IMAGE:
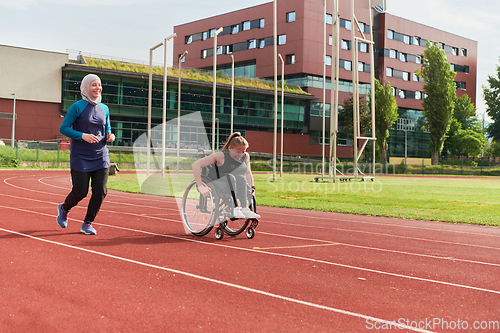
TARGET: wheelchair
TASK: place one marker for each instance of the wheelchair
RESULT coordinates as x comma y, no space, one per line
200,214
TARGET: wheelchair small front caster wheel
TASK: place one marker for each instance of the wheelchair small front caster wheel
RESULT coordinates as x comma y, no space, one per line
250,232
219,233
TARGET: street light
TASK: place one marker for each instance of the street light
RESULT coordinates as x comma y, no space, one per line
282,106
179,110
150,94
218,122
232,92
275,33
214,87
164,121
13,121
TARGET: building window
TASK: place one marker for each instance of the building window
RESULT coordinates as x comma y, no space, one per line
328,60
415,77
345,44
388,71
330,40
418,95
461,85
290,59
363,47
362,26
464,52
229,49
262,43
252,44
393,90
204,54
212,33
205,35
348,25
329,19
189,39
347,65
416,40
290,17
281,39
261,23
235,29
454,51
392,54
390,34
246,25
402,57
219,49
406,39
406,76
419,59
402,94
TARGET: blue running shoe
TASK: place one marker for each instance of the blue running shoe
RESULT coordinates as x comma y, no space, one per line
62,216
87,229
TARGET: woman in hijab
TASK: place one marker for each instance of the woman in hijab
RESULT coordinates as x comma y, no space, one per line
87,124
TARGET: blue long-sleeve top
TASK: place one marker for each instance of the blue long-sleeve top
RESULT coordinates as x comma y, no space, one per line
84,117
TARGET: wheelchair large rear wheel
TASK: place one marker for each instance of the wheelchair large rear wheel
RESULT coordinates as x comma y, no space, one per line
198,213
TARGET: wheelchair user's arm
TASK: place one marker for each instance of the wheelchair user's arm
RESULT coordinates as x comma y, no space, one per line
248,174
203,162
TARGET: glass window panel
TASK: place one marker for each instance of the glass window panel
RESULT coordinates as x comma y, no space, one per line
282,40
329,19
328,60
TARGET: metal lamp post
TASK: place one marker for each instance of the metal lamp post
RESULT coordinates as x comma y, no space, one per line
164,120
179,111
150,94
275,33
214,87
13,122
232,92
282,106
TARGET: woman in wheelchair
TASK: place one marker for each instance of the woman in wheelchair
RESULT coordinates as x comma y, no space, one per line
233,172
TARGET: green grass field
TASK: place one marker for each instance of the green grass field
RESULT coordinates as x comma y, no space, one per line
459,200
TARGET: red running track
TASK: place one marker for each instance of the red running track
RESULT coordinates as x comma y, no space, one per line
304,271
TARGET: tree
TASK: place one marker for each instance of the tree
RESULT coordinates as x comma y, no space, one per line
491,96
465,136
386,114
439,87
346,116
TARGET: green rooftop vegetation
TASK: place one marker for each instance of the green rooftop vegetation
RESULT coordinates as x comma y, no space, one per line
191,74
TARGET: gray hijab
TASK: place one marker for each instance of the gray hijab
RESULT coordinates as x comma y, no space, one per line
85,89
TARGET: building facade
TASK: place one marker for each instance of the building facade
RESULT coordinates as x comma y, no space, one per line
247,39
46,84
35,77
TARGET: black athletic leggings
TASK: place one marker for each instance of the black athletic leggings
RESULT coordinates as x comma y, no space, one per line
98,180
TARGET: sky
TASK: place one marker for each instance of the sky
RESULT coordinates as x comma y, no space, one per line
129,28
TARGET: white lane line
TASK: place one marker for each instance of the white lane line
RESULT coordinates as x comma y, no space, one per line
227,284
285,256
380,249
297,237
